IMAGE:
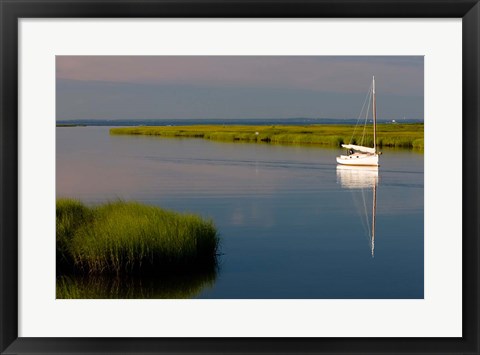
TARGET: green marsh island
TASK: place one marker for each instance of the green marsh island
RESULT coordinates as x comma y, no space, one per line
121,240
409,135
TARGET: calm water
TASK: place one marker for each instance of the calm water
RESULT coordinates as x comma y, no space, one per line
292,225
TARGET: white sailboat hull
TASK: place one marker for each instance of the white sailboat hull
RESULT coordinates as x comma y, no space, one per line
358,159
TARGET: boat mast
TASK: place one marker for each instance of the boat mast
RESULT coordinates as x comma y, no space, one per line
374,214
374,108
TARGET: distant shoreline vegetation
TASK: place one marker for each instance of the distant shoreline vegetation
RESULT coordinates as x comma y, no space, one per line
70,125
294,121
410,136
127,238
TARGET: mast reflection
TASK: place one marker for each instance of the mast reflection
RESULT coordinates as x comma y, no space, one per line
362,178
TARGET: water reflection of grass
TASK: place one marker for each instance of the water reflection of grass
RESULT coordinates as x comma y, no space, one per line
388,135
130,238
163,285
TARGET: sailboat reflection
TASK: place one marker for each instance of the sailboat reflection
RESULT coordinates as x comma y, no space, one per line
362,178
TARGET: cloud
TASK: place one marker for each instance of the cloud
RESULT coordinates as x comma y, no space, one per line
395,75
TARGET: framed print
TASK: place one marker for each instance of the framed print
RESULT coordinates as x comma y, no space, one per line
258,177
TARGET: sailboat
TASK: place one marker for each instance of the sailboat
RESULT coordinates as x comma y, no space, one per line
358,154
362,178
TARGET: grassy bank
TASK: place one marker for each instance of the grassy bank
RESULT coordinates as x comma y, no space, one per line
388,135
128,237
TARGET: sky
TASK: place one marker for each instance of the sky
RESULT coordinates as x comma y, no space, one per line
235,87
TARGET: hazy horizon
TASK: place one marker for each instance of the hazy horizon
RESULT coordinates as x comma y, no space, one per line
233,119
236,87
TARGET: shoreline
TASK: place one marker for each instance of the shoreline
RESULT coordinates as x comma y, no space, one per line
405,136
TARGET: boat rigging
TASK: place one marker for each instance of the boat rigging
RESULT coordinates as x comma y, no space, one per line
359,154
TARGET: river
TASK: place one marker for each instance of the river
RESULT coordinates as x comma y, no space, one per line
292,224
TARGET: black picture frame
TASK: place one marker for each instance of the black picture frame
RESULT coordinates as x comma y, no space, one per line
12,10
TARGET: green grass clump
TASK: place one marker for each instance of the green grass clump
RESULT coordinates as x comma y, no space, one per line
409,136
129,237
71,216
418,144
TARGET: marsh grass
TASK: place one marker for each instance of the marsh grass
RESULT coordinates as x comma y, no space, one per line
388,135
128,237
71,215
